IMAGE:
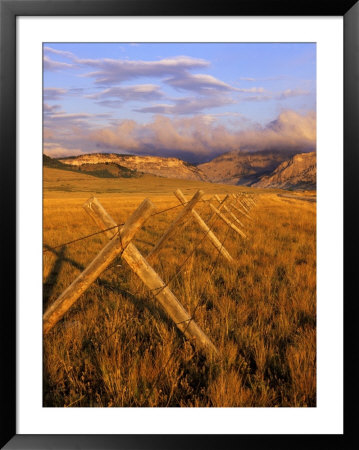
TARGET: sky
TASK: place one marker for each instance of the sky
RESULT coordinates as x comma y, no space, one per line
193,101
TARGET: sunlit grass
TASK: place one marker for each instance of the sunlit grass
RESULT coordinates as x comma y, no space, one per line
116,347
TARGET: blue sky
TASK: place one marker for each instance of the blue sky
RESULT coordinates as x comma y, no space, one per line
186,100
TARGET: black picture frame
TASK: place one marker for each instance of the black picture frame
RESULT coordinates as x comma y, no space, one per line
9,10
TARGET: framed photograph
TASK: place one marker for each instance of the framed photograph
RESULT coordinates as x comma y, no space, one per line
175,179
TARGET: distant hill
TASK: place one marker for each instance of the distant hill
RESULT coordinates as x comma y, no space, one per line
101,170
242,167
299,172
53,163
155,165
265,169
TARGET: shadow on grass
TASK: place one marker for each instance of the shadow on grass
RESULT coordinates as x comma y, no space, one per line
51,280
139,300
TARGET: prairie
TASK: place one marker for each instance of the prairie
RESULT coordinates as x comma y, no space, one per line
117,348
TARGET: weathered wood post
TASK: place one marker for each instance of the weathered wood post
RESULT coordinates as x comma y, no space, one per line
153,281
246,202
209,233
241,211
226,221
178,220
242,202
113,249
229,211
232,205
251,200
220,206
100,216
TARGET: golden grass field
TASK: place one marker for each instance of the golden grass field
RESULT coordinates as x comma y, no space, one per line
116,348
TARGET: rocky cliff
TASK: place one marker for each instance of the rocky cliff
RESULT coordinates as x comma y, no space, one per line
243,168
299,172
266,169
164,167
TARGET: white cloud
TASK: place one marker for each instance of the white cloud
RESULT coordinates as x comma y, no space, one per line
192,138
200,83
51,93
64,53
288,93
50,64
114,71
276,78
188,105
201,136
253,89
116,95
56,150
51,108
290,130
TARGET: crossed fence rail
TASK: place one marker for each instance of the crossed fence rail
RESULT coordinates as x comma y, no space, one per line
120,245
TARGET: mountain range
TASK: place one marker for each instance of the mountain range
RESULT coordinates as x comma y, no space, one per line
265,169
242,168
155,165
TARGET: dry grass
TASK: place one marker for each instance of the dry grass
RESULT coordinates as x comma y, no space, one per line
115,347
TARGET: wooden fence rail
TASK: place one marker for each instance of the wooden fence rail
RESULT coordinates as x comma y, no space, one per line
113,249
242,201
209,233
239,208
120,244
229,211
226,221
155,284
178,220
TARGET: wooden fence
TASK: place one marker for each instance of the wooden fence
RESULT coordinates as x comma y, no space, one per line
120,245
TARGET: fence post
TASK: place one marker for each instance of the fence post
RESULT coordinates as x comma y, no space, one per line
153,281
114,248
238,209
221,205
228,222
178,220
95,210
229,211
246,203
251,200
242,202
211,236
